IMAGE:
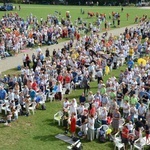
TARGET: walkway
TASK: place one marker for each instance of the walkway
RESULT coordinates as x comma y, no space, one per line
13,62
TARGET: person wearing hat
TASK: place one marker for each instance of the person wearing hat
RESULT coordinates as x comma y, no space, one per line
130,126
103,90
112,94
104,100
116,116
103,116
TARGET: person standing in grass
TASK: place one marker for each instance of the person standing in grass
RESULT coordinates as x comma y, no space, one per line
133,100
124,135
127,15
65,119
90,132
73,124
116,118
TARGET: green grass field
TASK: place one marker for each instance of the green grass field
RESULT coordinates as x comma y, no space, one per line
43,10
37,132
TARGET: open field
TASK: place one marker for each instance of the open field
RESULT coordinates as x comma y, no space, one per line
37,132
75,11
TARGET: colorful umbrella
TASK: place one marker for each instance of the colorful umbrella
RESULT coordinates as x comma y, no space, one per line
141,61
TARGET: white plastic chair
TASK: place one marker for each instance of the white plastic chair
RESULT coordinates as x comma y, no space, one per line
139,143
117,137
105,127
32,108
43,99
119,145
18,108
5,108
58,116
51,96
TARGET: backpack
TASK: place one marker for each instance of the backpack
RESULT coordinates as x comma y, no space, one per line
43,107
67,91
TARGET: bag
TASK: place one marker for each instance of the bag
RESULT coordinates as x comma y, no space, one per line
43,107
67,91
75,139
57,96
19,67
78,146
2,121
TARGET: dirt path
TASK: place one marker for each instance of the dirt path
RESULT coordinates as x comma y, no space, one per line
12,62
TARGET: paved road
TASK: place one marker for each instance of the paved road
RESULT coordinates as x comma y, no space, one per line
12,62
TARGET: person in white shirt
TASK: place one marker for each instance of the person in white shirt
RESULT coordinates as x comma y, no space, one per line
80,110
126,109
11,95
130,126
59,90
66,103
141,111
73,106
90,132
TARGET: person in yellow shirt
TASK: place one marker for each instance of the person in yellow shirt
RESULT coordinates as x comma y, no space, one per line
131,52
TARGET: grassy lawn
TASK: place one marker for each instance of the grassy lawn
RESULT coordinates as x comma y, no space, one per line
37,132
43,10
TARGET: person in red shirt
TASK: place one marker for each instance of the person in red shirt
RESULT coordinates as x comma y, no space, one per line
60,78
93,110
124,135
67,81
73,124
35,85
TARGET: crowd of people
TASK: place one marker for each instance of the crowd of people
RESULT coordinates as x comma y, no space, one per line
75,66
17,33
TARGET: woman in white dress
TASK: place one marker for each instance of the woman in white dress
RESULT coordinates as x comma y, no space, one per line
73,106
90,132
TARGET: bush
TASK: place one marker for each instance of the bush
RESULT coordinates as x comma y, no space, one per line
131,4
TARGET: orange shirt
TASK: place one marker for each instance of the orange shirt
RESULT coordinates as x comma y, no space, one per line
125,132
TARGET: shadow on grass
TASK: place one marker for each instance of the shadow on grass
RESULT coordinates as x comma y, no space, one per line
46,138
53,123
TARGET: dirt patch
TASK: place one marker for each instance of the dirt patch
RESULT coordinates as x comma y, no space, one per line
144,8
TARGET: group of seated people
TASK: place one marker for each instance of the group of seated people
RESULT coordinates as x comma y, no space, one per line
126,98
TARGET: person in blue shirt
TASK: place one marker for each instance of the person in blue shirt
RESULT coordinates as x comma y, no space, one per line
3,94
32,94
130,64
82,98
